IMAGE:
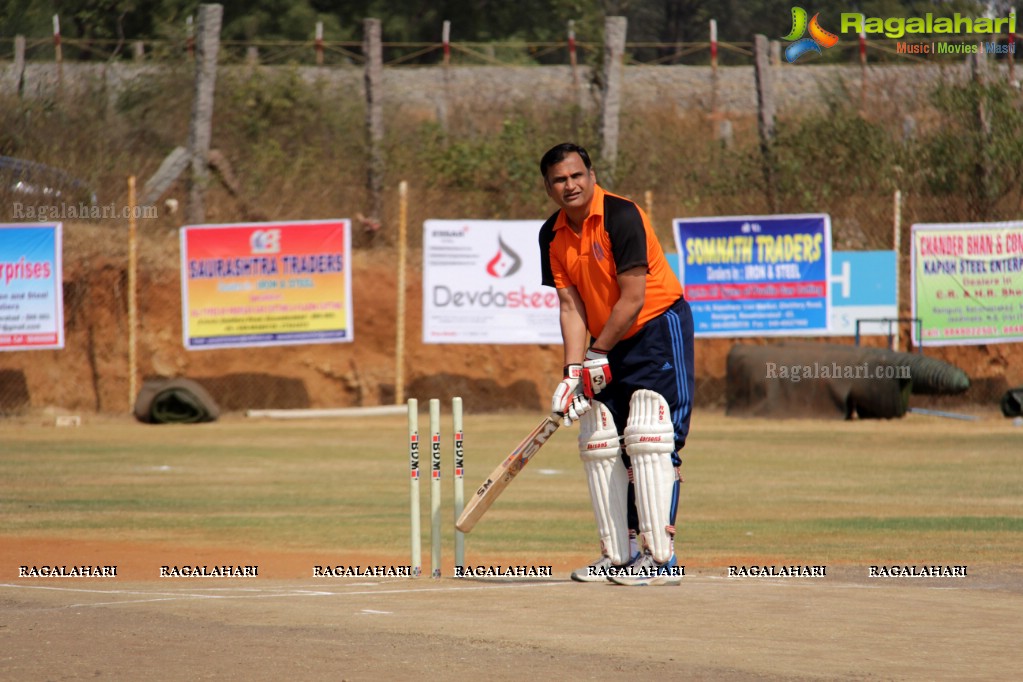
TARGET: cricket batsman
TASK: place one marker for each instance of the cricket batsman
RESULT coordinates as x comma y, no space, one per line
627,332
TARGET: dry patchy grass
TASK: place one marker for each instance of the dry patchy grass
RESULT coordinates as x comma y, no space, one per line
917,490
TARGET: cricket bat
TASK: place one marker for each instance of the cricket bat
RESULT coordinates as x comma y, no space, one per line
500,477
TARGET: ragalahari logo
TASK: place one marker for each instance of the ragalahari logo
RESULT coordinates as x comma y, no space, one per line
506,263
818,38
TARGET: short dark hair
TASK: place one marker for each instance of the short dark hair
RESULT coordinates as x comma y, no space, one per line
557,154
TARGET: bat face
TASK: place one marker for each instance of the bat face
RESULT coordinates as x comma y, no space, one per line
504,473
540,436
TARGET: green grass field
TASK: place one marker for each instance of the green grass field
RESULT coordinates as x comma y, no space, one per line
917,490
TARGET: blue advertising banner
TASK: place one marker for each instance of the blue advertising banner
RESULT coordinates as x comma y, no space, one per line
862,288
756,275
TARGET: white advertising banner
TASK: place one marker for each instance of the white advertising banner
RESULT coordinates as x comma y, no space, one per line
481,284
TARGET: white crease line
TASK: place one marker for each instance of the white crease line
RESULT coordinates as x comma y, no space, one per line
114,603
297,592
826,582
164,596
197,593
87,591
196,590
457,589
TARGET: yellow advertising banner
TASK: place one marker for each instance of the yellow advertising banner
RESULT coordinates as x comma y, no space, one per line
266,284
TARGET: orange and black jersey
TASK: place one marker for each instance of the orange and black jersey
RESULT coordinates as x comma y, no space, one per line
614,238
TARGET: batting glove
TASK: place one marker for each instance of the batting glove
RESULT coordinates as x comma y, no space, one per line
568,404
596,372
579,406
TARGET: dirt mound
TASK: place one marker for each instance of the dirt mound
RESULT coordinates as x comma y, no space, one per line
91,372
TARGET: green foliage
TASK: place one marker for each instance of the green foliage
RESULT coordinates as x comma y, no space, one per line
295,142
279,20
665,21
826,155
25,18
264,101
299,149
72,134
151,119
501,168
976,152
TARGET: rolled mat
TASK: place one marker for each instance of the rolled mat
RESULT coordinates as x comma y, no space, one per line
930,375
1012,402
812,382
175,401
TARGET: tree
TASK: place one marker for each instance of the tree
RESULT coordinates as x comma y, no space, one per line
665,21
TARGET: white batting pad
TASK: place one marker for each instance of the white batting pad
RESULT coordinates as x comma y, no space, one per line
609,482
650,440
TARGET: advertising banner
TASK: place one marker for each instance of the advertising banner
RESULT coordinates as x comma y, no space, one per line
31,289
863,288
967,283
266,284
481,284
756,275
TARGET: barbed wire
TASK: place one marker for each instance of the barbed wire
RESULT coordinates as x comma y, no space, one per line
502,53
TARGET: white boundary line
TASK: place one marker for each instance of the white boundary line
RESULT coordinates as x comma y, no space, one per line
371,411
